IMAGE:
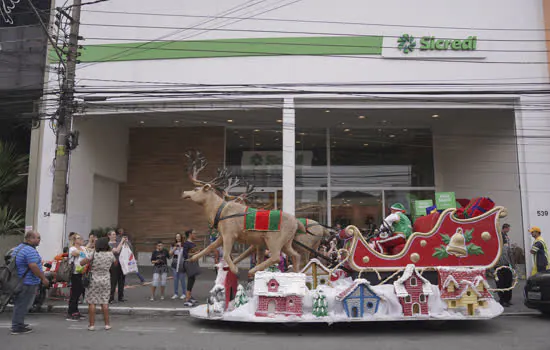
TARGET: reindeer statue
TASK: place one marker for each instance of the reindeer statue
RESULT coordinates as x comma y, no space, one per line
233,220
310,238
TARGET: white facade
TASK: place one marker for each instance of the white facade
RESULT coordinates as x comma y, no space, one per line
475,155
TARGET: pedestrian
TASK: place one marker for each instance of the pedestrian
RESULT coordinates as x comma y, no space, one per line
159,259
189,249
176,252
121,233
504,232
29,269
99,290
539,250
77,252
90,245
117,277
504,276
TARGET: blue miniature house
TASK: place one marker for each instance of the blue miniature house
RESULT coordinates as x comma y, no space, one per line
359,300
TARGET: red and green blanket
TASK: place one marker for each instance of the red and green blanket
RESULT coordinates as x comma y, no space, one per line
304,222
262,220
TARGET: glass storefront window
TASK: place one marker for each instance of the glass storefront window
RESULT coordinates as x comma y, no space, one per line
312,204
311,158
356,207
256,155
381,157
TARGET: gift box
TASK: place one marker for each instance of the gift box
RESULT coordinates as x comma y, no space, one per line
478,206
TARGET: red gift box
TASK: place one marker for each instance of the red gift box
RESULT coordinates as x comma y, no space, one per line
478,206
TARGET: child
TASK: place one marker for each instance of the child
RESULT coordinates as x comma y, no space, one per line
159,259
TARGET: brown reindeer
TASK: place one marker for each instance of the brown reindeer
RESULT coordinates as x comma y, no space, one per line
310,237
228,217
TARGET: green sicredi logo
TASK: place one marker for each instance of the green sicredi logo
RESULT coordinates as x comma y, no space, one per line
407,43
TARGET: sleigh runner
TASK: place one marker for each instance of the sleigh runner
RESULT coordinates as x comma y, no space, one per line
452,242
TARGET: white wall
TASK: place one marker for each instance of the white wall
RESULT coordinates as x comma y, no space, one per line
105,202
440,15
102,153
477,156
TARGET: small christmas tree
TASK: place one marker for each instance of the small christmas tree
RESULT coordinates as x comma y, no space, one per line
240,298
320,305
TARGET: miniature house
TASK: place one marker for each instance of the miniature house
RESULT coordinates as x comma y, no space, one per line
279,293
413,291
228,280
359,299
317,274
463,289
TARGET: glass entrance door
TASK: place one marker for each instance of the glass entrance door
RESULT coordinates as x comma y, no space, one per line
264,198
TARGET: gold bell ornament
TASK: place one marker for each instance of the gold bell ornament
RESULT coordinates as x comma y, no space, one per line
457,245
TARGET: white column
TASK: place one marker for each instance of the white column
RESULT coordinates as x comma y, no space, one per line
533,132
289,158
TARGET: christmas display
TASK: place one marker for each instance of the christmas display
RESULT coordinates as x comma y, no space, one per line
432,269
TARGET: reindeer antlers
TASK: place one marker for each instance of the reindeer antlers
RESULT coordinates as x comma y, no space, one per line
197,163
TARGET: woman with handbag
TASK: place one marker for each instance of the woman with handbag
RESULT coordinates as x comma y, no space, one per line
99,279
176,252
77,253
192,269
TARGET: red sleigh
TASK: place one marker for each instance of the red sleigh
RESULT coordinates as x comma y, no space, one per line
452,242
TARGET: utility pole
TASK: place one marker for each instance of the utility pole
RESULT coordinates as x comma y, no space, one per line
66,111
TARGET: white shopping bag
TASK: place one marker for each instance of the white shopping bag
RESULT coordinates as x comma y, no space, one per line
127,260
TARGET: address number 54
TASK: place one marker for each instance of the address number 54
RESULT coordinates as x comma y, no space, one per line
542,212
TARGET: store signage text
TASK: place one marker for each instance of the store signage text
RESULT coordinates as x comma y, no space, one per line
407,43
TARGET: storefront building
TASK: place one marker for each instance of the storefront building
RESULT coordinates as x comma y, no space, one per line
334,110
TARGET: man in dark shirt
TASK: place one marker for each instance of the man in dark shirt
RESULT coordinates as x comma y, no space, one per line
539,251
159,259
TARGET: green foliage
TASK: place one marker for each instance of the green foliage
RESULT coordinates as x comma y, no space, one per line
474,249
12,222
241,297
468,235
13,167
446,238
440,253
320,305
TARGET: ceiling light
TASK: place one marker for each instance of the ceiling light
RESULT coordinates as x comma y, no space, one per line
327,111
298,142
258,144
347,130
177,121
141,122
241,137
384,121
391,136
205,122
256,130
302,134
230,120
279,120
342,123
435,116
365,144
276,139
405,130
361,117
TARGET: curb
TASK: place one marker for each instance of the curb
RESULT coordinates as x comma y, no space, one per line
116,310
521,313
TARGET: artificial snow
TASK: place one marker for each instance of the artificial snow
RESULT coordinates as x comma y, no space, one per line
389,309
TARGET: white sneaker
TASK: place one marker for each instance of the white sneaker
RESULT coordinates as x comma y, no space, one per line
162,297
151,299
182,297
175,296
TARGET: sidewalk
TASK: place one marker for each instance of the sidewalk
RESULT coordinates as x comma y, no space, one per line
138,296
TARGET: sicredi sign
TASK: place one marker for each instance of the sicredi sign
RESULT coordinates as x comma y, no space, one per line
406,46
408,43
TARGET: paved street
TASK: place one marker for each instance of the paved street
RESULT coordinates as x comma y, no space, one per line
53,332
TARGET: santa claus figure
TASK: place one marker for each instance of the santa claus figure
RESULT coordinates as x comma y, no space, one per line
394,232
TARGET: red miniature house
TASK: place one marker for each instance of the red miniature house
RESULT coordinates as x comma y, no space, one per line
413,291
279,293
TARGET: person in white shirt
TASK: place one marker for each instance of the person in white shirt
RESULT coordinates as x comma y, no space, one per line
77,252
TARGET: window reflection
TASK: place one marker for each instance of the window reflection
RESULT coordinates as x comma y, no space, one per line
312,204
360,208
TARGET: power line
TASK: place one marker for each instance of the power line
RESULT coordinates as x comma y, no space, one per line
325,22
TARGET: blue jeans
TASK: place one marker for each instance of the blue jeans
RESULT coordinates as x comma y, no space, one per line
179,278
22,303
